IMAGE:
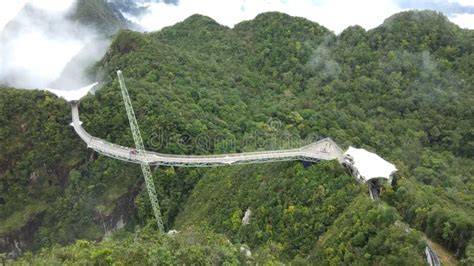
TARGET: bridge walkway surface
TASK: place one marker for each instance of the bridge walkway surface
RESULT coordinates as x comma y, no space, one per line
325,149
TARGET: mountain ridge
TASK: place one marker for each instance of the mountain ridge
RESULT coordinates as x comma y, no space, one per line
310,81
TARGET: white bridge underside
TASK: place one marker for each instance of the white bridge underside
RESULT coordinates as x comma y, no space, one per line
325,149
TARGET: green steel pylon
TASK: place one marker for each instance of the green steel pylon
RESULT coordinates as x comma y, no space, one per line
137,137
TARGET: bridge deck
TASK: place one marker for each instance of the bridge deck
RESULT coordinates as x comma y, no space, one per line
325,149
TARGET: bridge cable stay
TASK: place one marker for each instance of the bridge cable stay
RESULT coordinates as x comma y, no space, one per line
141,151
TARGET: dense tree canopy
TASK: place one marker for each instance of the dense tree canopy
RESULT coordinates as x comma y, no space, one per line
403,89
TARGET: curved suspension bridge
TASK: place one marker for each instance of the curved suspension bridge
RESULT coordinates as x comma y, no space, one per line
325,149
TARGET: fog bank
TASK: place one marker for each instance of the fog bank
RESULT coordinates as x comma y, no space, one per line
39,42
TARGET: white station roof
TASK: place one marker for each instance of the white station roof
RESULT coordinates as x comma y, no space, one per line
370,165
73,95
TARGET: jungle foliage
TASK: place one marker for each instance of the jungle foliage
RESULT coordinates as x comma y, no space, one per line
403,89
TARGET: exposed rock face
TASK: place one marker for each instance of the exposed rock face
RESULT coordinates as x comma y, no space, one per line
172,232
13,244
120,215
246,219
246,251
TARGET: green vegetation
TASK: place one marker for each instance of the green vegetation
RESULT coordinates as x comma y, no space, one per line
316,195
46,169
320,202
99,15
38,150
367,234
403,89
440,216
145,247
19,218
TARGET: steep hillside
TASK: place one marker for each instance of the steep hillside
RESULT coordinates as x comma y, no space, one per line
100,15
367,234
52,189
309,200
320,202
273,82
146,247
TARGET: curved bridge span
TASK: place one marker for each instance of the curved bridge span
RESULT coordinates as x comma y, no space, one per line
325,149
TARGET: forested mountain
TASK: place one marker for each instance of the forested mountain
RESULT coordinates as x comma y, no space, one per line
101,15
403,89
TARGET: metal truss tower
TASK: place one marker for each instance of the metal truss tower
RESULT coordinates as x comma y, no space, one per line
137,137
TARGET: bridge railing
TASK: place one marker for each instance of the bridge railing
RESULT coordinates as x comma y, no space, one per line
126,153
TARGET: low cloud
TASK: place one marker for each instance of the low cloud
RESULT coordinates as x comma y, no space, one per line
322,63
39,42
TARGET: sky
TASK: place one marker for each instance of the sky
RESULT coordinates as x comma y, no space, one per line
35,58
335,15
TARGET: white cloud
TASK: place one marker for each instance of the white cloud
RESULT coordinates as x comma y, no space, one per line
335,15
338,15
463,20
463,2
35,59
52,5
8,10
35,55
